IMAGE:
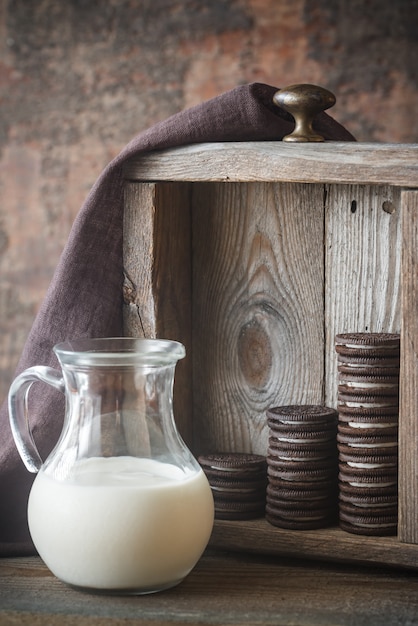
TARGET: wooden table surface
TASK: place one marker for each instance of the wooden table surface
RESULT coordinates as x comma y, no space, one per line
224,588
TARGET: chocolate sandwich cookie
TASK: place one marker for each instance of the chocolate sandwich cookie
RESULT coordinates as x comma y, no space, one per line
367,437
300,475
357,452
278,482
364,422
353,489
368,524
303,493
385,528
368,462
300,452
355,397
368,344
237,464
284,481
380,479
238,490
328,463
365,431
302,435
366,466
302,459
369,428
290,508
352,384
320,427
305,415
375,379
383,501
299,520
228,510
302,426
352,410
368,366
374,513
238,482
366,401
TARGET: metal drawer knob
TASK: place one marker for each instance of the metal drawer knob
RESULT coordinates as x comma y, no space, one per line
304,102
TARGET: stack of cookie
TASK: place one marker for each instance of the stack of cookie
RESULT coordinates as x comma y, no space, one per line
302,467
368,407
238,482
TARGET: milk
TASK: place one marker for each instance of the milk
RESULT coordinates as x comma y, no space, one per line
121,523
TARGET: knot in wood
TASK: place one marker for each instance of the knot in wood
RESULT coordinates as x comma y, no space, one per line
129,290
255,355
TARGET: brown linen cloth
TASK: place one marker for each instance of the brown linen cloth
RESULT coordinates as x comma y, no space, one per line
85,295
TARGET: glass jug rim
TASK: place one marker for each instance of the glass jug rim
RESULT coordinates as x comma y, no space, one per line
119,351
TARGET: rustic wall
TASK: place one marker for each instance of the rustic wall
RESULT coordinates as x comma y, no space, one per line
78,79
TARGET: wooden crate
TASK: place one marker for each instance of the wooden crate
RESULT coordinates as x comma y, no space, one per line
255,255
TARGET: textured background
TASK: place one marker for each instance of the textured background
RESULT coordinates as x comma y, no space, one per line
79,78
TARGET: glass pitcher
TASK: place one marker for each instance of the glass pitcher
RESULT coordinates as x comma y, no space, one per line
120,505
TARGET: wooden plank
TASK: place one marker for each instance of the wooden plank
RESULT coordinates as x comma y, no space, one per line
157,287
331,544
363,273
138,235
224,588
258,308
329,162
408,419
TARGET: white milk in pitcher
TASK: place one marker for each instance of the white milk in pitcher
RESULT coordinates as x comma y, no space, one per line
121,523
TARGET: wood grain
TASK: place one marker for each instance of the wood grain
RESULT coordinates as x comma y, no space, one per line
329,162
332,544
363,273
224,588
157,266
138,259
258,308
408,431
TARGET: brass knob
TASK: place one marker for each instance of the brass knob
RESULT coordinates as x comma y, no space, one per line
304,102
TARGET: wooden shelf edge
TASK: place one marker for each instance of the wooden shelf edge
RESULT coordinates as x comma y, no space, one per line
332,544
328,162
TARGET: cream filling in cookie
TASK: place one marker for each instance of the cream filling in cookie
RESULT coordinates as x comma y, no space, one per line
366,425
369,465
357,365
371,485
305,440
299,422
365,404
368,505
372,445
363,346
369,385
371,525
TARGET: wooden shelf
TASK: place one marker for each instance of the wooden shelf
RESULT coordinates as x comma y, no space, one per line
255,255
331,544
271,161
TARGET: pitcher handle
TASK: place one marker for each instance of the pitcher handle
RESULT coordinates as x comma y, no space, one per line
18,410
